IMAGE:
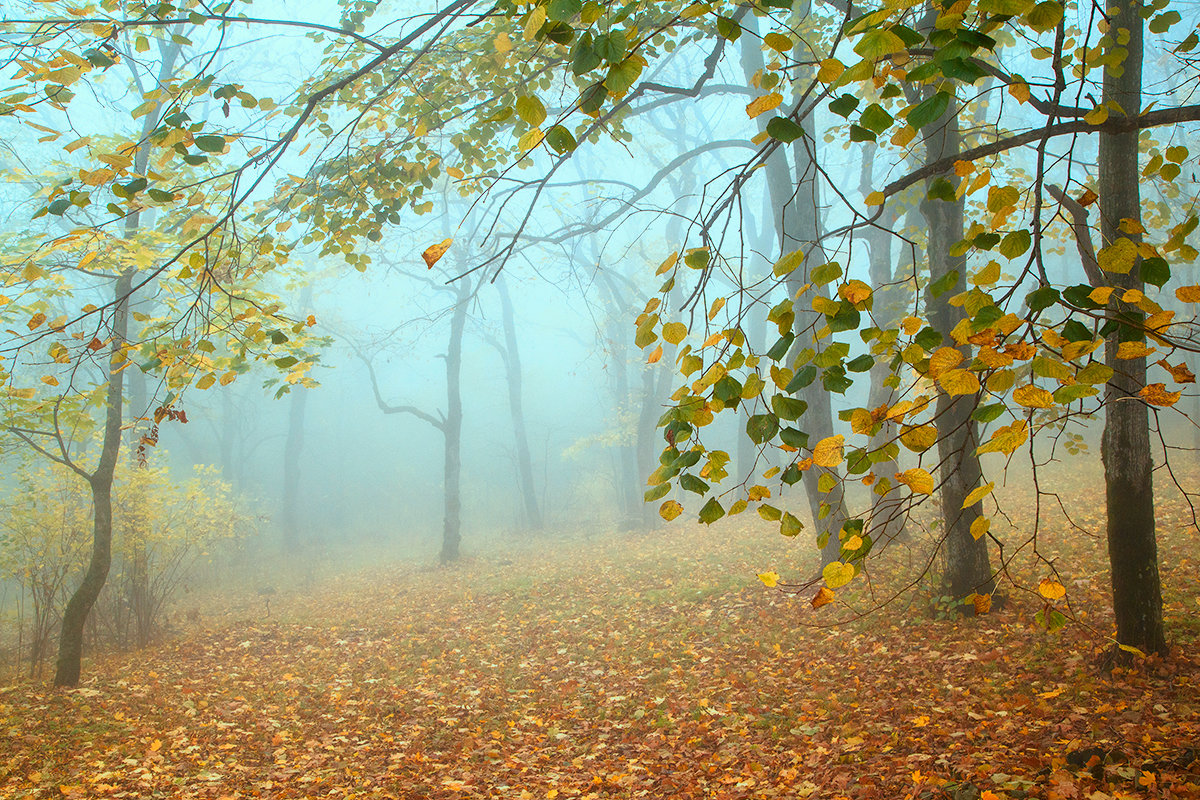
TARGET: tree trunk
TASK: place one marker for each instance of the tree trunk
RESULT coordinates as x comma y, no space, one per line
968,569
888,515
293,447
70,642
452,428
1128,466
512,367
794,203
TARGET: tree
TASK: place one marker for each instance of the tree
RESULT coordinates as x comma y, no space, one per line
552,77
448,422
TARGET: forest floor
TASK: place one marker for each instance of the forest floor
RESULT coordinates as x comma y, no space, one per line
636,665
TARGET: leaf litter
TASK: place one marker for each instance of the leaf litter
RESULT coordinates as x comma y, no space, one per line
648,666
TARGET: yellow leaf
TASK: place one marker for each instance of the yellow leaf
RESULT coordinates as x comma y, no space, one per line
207,381
228,378
716,306
530,139
977,495
831,69
979,527
455,172
50,380
670,510
837,574
910,325
1096,116
861,421
920,438
1101,295
1188,294
1031,396
1019,91
875,199
434,252
823,597
23,394
1118,257
828,452
1006,439
36,320
156,745
1156,394
1132,296
1127,350
674,332
502,43
769,579
852,544
1051,589
916,479
534,22
666,265
959,382
944,358
763,104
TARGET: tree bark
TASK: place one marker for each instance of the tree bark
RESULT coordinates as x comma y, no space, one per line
1128,466
293,448
794,203
452,427
888,515
512,368
968,569
70,642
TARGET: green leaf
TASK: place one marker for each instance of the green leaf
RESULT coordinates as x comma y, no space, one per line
611,46
711,512
875,118
941,189
584,57
1155,271
988,413
877,44
530,109
861,363
1015,244
944,284
560,139
826,273
790,526
761,428
789,408
728,28
794,438
1163,22
210,143
1042,298
929,110
844,106
563,10
803,377
656,492
286,361
690,483
780,349
784,130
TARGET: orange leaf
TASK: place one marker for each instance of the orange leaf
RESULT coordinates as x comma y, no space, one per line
434,252
1051,589
1156,394
823,597
655,355
1180,372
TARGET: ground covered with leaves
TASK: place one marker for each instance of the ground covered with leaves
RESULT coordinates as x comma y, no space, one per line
649,665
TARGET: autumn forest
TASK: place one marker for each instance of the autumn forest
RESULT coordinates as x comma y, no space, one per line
571,399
